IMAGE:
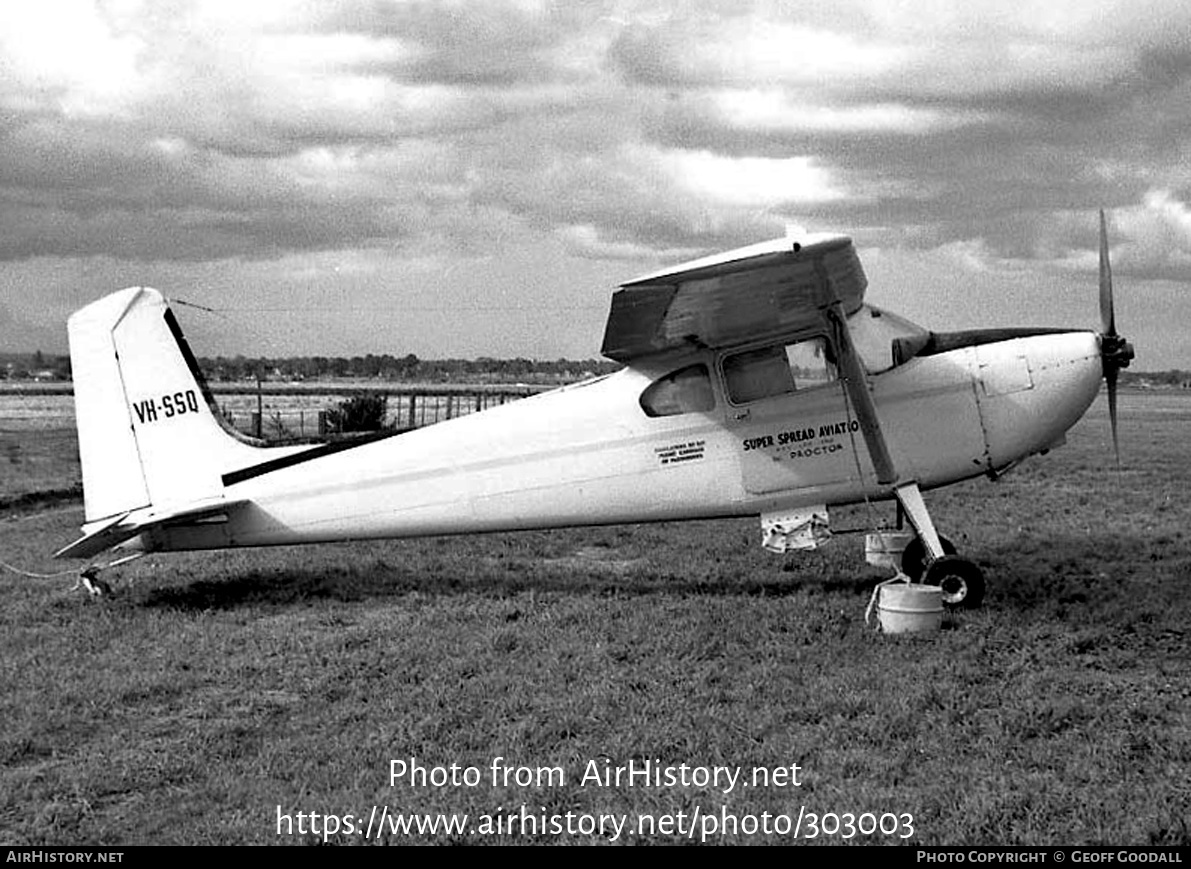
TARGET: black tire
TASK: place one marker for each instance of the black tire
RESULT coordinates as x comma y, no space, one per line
914,556
961,580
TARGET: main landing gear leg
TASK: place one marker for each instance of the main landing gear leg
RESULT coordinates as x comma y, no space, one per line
931,557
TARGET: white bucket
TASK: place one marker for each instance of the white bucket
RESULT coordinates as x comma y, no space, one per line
905,608
885,548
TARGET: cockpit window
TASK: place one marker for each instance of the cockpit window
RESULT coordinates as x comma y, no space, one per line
757,374
883,340
779,369
687,390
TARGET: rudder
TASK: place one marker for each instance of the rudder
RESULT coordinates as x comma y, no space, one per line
147,434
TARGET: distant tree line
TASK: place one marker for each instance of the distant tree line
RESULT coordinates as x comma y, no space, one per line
1173,377
408,368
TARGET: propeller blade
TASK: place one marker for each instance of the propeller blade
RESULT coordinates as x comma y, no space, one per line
1115,351
1107,316
1110,379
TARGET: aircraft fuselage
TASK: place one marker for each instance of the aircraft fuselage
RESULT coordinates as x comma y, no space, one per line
588,454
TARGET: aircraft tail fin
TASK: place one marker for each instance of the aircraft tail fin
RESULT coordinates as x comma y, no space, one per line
148,430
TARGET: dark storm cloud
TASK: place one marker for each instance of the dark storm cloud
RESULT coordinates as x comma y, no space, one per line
1014,162
104,189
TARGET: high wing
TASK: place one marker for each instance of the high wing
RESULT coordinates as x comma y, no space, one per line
751,293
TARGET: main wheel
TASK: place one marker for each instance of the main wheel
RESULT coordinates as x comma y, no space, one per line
961,580
914,556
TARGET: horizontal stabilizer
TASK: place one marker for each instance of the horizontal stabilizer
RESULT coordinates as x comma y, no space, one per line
94,542
128,525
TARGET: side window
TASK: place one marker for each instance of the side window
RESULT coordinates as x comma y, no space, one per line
758,374
777,370
687,390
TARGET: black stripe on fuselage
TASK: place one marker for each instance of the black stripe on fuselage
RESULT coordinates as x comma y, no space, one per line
317,452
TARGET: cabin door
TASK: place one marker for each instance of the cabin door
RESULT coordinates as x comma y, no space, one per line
789,413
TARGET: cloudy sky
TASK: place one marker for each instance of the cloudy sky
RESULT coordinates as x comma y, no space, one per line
475,177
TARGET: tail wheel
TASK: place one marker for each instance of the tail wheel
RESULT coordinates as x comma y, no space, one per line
961,580
914,557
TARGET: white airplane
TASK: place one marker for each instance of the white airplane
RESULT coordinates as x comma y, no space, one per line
755,382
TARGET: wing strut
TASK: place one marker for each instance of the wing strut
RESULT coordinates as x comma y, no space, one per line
856,383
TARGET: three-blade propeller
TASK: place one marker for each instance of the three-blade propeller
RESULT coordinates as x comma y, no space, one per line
1115,351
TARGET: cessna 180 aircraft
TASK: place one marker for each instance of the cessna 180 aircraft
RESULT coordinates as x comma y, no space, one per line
755,382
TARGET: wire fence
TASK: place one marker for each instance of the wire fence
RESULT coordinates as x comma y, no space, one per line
287,417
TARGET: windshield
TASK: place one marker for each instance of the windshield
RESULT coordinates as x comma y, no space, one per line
882,339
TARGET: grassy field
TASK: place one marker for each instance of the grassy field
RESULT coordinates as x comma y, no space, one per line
212,692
